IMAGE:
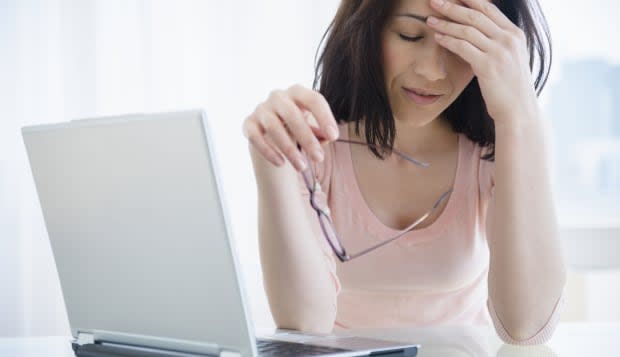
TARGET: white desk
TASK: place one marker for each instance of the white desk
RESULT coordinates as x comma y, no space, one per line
569,340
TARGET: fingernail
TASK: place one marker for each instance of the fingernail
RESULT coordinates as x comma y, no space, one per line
437,2
318,154
332,132
433,20
301,164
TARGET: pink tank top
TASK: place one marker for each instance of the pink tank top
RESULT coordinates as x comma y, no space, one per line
436,275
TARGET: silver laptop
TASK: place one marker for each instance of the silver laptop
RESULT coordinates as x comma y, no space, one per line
138,228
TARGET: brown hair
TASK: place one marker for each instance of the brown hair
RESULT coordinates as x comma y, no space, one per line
349,71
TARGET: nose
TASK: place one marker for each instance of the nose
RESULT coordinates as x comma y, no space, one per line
431,63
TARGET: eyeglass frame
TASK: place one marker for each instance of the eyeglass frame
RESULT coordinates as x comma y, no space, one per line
342,255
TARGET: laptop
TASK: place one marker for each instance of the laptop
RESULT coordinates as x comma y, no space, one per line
140,237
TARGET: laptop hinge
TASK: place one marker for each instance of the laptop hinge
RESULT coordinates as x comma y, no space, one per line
84,338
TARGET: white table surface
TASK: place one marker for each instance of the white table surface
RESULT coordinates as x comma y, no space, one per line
569,340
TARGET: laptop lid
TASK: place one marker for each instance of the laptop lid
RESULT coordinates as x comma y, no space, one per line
139,232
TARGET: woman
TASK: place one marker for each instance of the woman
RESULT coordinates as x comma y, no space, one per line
423,150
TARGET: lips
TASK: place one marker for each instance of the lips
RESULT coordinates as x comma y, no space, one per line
417,96
421,91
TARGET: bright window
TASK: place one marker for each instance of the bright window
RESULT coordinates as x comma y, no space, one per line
582,101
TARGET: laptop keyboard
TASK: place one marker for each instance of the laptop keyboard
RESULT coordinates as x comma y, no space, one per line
267,348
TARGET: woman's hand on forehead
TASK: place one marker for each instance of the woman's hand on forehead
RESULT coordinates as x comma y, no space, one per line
479,33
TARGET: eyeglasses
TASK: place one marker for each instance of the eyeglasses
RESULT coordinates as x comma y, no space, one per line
319,203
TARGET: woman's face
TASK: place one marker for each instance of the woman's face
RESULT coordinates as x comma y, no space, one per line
413,62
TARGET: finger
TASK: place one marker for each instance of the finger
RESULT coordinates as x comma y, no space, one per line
316,103
492,12
316,131
277,134
464,32
471,17
294,120
256,137
463,49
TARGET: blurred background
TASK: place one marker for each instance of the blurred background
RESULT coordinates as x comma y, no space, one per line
69,59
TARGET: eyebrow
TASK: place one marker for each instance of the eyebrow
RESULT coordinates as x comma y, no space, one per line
414,16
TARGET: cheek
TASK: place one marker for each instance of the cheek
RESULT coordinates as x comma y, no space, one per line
463,74
388,59
391,57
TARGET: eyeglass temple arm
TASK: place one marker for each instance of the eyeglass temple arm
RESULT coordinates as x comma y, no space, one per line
404,156
406,230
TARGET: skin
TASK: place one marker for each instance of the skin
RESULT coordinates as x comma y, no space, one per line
526,273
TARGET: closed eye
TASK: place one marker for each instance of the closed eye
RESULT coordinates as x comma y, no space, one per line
410,39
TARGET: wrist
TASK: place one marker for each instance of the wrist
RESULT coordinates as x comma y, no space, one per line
519,125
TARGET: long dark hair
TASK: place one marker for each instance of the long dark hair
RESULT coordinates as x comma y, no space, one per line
349,71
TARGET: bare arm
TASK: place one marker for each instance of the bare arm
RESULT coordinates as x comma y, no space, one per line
299,285
299,276
527,272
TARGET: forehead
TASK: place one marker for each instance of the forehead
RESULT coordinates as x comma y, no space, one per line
420,9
